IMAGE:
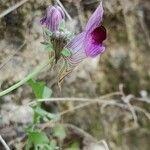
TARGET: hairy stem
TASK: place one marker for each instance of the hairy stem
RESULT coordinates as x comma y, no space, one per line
27,78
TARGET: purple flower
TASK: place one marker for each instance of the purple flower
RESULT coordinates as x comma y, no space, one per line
53,18
89,43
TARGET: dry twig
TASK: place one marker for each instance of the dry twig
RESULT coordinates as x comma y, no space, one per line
4,143
104,102
7,11
61,5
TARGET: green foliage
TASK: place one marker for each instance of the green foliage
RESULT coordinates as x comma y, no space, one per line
42,115
47,43
49,47
69,35
47,32
62,26
59,131
40,90
38,139
40,142
53,145
74,146
66,52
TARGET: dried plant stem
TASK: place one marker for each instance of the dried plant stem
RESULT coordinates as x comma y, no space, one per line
104,97
80,132
103,102
61,5
80,13
12,8
127,99
72,99
4,143
144,26
27,78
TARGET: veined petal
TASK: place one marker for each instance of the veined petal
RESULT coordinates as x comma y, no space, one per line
89,43
46,19
94,41
94,50
54,16
96,19
61,11
76,46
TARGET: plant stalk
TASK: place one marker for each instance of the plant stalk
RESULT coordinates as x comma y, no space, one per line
27,78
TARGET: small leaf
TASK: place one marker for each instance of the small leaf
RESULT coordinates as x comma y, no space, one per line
47,32
74,146
53,145
66,52
37,88
37,137
59,131
42,113
44,43
40,90
49,47
62,26
47,92
28,144
69,35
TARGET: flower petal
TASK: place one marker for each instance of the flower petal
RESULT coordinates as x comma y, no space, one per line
95,19
92,48
53,18
76,46
61,11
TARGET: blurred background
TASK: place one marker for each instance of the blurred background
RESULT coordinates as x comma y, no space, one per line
124,68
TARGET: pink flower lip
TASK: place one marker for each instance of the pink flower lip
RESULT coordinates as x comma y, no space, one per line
89,43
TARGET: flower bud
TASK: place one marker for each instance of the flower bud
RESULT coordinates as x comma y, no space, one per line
53,18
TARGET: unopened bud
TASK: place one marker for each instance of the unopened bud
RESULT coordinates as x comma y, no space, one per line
53,18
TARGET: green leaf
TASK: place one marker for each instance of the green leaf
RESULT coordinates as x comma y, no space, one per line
47,46
59,131
37,88
28,144
42,113
40,90
69,35
37,137
53,145
62,26
66,52
48,32
74,146
47,92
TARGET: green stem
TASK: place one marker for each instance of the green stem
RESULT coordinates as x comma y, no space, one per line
27,78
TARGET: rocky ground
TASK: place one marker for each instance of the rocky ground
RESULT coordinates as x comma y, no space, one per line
126,62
